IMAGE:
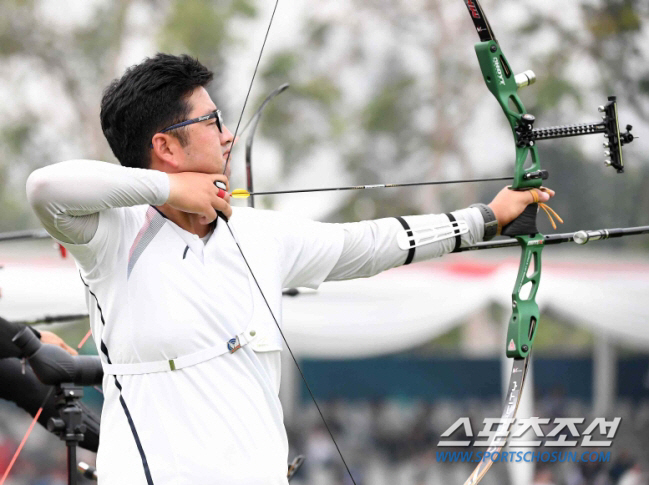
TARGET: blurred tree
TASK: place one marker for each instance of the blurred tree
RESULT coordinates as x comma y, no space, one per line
601,56
53,70
383,91
56,60
203,29
394,92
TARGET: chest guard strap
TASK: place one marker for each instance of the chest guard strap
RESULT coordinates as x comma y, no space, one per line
136,368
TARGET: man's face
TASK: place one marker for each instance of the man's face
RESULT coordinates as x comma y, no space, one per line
208,148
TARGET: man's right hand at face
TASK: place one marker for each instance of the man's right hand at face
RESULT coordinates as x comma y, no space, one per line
196,193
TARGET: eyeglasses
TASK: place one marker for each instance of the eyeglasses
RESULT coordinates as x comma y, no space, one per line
216,115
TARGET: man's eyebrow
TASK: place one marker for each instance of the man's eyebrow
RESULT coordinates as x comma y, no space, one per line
205,115
210,113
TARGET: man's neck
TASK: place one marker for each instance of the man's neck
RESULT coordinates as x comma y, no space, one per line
185,220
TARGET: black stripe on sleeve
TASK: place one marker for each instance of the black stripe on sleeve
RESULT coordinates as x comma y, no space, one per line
411,251
458,238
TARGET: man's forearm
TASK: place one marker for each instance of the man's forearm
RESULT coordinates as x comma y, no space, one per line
68,196
371,246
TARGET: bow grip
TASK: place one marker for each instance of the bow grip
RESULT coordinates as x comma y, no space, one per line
523,225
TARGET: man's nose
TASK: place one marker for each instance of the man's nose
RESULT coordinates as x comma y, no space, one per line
226,136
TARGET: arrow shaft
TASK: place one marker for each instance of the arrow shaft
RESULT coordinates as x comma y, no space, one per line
52,319
381,186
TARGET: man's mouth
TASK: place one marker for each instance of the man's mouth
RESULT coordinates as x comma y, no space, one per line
226,164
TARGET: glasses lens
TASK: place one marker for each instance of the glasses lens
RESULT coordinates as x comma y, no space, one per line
219,120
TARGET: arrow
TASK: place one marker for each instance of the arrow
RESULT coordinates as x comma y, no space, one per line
244,194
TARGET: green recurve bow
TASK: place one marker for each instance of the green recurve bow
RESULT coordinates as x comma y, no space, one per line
504,85
523,323
525,312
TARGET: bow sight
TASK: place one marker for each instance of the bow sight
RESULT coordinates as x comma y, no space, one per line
504,86
609,126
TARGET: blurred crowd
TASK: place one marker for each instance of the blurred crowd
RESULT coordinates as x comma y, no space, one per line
384,442
395,442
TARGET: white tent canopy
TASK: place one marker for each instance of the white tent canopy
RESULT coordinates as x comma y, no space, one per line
406,307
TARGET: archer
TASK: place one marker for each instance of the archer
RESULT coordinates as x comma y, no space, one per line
184,290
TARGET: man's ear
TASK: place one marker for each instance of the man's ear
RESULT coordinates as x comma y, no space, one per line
166,151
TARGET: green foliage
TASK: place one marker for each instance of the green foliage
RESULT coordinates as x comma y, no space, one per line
201,27
280,66
322,90
16,16
15,136
614,18
554,90
448,342
388,112
318,32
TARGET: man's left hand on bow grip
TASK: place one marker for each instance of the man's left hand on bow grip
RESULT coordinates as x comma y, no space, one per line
509,204
197,193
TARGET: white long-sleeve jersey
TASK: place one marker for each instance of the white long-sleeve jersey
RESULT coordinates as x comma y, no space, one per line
190,350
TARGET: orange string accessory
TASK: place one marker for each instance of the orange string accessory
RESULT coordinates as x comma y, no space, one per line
550,212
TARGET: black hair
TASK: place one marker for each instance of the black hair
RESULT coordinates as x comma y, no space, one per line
149,97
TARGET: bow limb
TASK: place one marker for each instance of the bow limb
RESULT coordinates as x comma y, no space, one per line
254,121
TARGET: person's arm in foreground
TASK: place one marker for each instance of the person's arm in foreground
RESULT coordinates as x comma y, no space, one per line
19,384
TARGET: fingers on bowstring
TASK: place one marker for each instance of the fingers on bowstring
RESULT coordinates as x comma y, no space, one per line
221,181
222,206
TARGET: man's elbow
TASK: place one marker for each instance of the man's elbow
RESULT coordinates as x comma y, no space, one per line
37,187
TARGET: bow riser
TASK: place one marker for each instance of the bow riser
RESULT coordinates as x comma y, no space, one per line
525,311
501,81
